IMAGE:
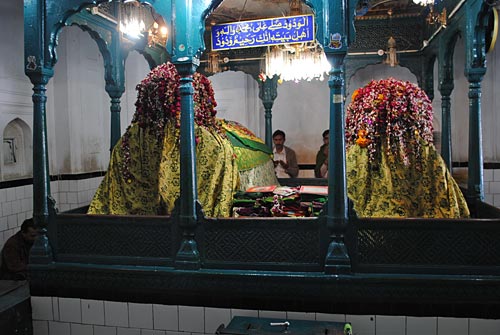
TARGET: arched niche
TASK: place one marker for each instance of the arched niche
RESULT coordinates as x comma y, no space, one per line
17,150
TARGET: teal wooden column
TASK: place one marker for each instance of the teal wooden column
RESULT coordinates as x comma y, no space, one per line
268,91
335,31
115,93
43,204
115,84
446,86
475,190
188,206
337,259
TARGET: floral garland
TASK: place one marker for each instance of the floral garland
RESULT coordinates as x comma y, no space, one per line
389,110
159,102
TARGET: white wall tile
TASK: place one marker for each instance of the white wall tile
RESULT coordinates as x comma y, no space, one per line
487,175
272,314
64,186
115,314
244,312
59,328
175,333
3,195
496,200
6,208
495,187
19,192
128,331
70,310
79,329
191,319
40,327
214,317
390,325
362,324
12,221
3,223
419,326
42,308
73,185
140,315
165,317
330,317
11,194
489,199
453,326
72,197
16,206
103,330
496,175
300,316
484,327
55,308
93,312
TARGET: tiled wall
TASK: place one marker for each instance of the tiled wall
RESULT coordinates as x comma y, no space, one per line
16,203
70,316
491,181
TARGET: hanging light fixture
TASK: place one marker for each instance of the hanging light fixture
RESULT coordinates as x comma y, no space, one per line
296,61
137,21
433,17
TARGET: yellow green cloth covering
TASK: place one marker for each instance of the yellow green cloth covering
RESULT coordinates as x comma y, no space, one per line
394,190
155,170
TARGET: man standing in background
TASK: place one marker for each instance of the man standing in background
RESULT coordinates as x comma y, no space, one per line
322,155
285,160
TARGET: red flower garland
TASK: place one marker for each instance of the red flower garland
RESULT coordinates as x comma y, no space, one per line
390,110
159,101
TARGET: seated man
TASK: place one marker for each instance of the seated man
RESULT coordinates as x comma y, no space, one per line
285,160
392,167
321,156
16,252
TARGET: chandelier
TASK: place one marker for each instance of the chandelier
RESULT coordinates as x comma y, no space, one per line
296,62
433,17
139,21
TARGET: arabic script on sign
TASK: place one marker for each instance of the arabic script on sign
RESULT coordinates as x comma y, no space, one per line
257,33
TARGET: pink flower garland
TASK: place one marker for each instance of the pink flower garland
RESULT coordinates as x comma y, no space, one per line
390,110
159,101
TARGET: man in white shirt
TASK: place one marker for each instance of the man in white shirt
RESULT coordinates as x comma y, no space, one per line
285,160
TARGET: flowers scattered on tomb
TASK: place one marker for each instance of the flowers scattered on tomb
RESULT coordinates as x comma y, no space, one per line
159,103
390,114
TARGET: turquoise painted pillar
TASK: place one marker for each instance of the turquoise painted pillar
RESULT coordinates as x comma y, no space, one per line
43,204
337,259
115,84
187,206
115,94
268,91
475,190
335,31
446,87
